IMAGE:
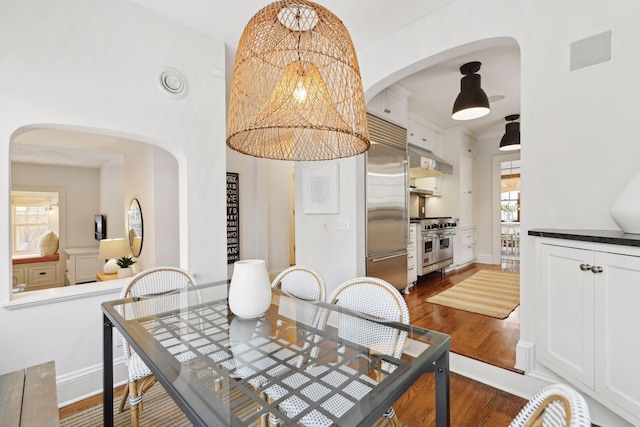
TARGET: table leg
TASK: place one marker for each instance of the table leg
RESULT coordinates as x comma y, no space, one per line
107,371
441,368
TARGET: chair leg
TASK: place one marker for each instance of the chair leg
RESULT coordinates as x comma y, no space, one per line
123,399
134,403
391,416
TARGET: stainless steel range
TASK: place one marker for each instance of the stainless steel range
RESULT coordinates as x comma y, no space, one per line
435,243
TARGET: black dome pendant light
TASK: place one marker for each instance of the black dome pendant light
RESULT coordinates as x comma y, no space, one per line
511,138
472,102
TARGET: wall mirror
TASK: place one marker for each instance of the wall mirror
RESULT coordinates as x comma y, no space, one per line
135,227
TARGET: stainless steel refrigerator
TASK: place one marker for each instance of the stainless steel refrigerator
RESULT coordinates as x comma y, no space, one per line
387,209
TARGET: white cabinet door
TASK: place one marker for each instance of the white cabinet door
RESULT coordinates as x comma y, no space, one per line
617,349
391,105
467,145
86,268
467,174
566,340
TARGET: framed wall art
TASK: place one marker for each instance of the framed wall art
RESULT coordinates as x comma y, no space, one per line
320,189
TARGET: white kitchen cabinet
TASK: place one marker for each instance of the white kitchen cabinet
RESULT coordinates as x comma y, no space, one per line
459,147
412,265
391,104
38,275
467,145
467,245
588,317
421,136
82,264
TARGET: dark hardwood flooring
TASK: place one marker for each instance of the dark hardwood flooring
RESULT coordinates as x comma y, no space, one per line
473,335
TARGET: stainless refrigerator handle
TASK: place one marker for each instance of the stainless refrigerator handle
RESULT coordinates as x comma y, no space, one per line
389,257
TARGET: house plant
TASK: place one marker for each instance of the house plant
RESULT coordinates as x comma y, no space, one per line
125,264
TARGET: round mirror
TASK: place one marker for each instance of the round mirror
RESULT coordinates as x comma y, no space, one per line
135,227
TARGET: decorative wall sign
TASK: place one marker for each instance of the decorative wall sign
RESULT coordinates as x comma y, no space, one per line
233,218
320,189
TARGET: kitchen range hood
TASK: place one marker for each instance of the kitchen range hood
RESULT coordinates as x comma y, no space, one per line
423,164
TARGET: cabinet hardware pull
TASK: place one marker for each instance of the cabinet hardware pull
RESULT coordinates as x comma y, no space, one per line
42,273
596,269
386,110
585,267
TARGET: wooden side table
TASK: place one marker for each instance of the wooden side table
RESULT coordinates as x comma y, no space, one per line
101,277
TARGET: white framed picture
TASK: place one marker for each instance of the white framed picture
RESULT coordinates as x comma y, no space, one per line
320,189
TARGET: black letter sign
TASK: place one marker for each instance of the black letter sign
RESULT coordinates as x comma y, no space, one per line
233,218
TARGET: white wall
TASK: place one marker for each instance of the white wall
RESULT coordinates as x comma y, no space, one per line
95,66
336,254
166,215
82,190
112,197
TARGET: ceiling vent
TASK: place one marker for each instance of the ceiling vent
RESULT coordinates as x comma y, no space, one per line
173,82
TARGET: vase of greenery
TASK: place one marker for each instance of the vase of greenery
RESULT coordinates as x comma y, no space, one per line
125,264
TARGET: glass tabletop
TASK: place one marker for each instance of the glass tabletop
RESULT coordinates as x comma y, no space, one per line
300,361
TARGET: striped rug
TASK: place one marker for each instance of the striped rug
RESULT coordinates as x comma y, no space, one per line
159,411
490,292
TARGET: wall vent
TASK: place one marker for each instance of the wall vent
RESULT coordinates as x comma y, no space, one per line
590,51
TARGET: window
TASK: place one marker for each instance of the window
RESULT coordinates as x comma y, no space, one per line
510,191
32,214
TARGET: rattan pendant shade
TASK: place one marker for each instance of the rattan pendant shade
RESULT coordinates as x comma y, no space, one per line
297,92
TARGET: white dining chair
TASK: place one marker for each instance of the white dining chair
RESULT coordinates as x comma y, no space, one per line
375,298
151,283
557,405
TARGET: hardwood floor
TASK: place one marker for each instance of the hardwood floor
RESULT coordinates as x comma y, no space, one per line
473,335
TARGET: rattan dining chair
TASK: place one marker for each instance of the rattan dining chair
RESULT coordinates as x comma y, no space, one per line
304,283
153,282
557,405
377,299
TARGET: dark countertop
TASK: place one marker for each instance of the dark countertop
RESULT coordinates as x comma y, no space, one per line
613,237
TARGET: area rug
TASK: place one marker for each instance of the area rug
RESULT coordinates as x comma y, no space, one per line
159,410
490,292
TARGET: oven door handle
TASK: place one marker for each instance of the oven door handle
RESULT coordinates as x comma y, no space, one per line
388,257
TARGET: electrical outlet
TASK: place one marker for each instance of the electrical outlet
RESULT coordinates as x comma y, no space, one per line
343,224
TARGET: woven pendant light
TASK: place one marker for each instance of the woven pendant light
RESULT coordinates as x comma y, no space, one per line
297,92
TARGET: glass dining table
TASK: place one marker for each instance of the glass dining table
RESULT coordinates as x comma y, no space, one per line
225,371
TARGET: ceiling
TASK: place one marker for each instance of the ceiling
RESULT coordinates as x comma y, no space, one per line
433,89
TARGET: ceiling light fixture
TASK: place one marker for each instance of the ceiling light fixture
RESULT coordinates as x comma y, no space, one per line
471,102
511,139
297,92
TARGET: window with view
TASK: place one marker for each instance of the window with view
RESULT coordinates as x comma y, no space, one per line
32,215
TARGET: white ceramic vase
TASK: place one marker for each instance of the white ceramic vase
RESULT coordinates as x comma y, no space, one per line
250,289
625,210
123,273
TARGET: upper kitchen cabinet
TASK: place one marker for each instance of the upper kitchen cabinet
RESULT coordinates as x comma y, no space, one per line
421,135
391,104
467,145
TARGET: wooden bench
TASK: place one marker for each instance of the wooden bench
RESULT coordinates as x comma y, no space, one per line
28,397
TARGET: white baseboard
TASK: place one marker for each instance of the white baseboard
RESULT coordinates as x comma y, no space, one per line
486,259
525,356
87,382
